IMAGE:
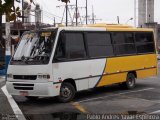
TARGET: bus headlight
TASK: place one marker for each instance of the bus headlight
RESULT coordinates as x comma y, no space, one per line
43,76
9,76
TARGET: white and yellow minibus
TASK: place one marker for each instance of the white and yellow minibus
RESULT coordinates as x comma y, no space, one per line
62,61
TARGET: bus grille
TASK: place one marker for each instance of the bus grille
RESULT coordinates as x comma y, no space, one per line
25,77
23,86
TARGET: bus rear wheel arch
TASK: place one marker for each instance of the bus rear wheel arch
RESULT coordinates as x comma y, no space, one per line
130,82
67,91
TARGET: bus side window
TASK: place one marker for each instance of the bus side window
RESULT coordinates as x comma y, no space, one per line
70,47
144,42
75,48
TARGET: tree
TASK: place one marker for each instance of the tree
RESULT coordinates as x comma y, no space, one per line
8,8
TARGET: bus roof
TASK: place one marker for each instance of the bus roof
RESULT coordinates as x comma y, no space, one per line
120,27
104,27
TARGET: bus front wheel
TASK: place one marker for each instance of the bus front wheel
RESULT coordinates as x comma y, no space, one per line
130,81
67,92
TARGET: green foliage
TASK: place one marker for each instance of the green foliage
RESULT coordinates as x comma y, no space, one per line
8,8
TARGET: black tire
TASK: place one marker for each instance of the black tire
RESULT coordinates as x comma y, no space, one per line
67,92
31,97
130,82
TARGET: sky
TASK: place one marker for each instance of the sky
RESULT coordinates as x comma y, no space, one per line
106,10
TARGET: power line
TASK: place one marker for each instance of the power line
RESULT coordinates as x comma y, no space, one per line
52,14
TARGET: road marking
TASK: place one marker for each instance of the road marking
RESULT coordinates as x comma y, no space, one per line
79,107
141,99
86,100
155,112
154,77
13,104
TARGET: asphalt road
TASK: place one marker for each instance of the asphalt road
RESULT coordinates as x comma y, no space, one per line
144,99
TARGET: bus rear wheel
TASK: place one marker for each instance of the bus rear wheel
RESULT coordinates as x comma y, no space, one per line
130,81
67,92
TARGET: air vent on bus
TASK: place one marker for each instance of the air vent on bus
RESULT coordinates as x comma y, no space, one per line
19,86
25,77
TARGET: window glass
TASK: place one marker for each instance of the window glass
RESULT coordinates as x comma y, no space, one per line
98,39
144,42
125,49
145,47
144,37
100,51
75,46
71,46
99,44
118,38
123,43
60,51
129,38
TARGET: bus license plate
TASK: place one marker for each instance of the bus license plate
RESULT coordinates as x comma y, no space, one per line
23,93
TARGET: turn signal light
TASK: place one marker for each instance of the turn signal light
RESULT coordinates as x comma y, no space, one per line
43,76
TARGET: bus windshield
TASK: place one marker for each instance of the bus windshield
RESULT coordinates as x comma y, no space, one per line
34,47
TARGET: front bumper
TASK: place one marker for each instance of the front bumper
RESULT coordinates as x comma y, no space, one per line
47,89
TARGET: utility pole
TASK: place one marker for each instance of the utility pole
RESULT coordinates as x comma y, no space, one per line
54,22
118,19
135,11
86,12
1,28
22,11
93,19
76,13
8,41
66,14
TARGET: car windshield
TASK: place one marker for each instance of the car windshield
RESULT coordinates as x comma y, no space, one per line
35,47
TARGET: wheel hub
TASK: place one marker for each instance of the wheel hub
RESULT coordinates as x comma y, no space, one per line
66,92
131,82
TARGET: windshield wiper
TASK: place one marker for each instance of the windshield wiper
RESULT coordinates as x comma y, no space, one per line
25,59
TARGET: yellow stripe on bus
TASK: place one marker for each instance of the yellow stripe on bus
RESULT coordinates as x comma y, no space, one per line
117,68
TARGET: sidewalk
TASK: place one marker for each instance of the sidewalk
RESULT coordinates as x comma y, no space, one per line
2,79
5,108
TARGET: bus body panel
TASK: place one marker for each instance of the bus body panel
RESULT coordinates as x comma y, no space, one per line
41,87
89,73
86,73
117,68
28,69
